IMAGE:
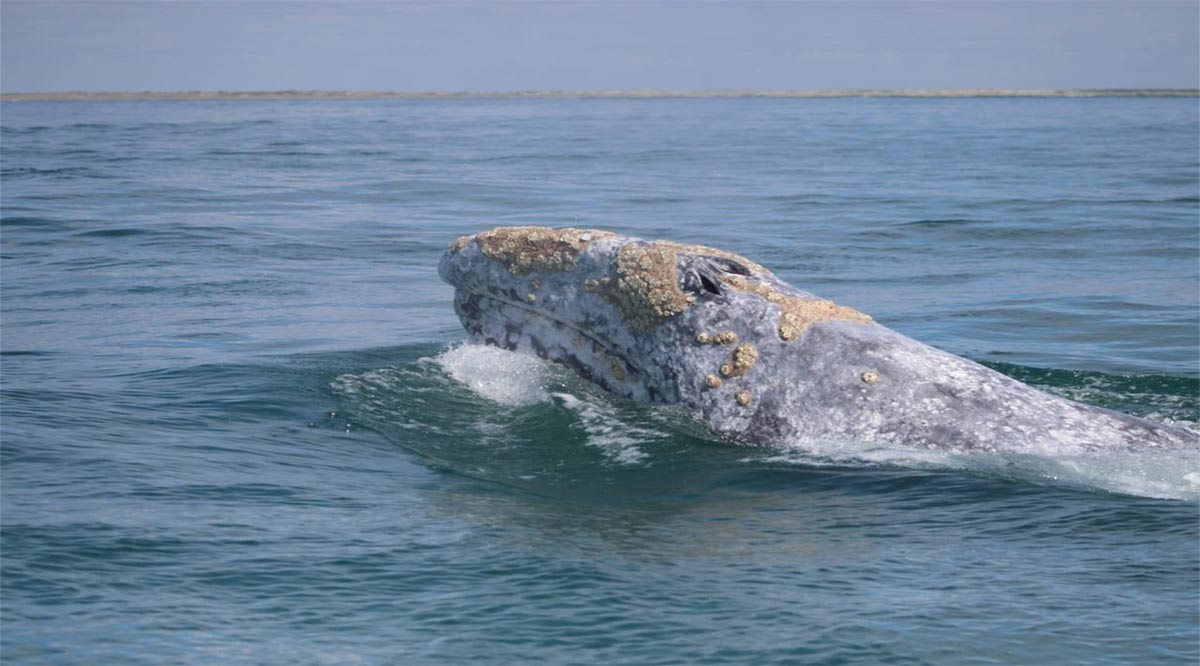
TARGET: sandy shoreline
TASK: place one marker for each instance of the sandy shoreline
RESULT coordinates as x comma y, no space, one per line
552,94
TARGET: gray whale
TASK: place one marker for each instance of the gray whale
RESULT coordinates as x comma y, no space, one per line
757,360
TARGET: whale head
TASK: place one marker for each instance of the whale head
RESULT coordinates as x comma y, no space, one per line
653,321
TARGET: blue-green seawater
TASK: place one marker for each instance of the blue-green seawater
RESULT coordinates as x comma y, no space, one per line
238,424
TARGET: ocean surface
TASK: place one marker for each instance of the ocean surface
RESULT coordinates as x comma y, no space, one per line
238,423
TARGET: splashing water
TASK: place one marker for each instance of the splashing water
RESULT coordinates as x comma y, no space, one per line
510,379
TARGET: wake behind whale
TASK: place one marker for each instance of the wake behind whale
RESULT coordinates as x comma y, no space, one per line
757,360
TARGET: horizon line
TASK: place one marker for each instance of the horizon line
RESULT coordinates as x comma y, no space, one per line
613,93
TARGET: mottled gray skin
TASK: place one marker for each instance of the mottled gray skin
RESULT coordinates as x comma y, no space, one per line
838,380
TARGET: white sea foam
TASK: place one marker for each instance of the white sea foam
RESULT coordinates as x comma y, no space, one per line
501,376
1169,475
1158,474
606,431
518,380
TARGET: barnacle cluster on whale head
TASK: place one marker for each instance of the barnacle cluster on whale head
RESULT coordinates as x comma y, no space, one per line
534,249
796,314
646,287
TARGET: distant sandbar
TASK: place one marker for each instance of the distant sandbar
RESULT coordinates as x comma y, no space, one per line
553,94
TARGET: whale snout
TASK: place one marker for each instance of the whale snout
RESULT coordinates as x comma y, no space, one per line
453,266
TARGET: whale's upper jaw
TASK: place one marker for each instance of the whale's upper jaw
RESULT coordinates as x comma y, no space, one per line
538,289
650,320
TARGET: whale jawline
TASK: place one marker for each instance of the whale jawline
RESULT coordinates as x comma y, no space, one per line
540,315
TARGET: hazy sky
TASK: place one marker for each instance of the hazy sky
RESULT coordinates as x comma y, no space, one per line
50,45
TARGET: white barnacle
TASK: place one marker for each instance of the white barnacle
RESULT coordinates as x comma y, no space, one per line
725,338
744,358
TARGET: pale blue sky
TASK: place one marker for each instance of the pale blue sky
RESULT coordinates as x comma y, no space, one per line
50,45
